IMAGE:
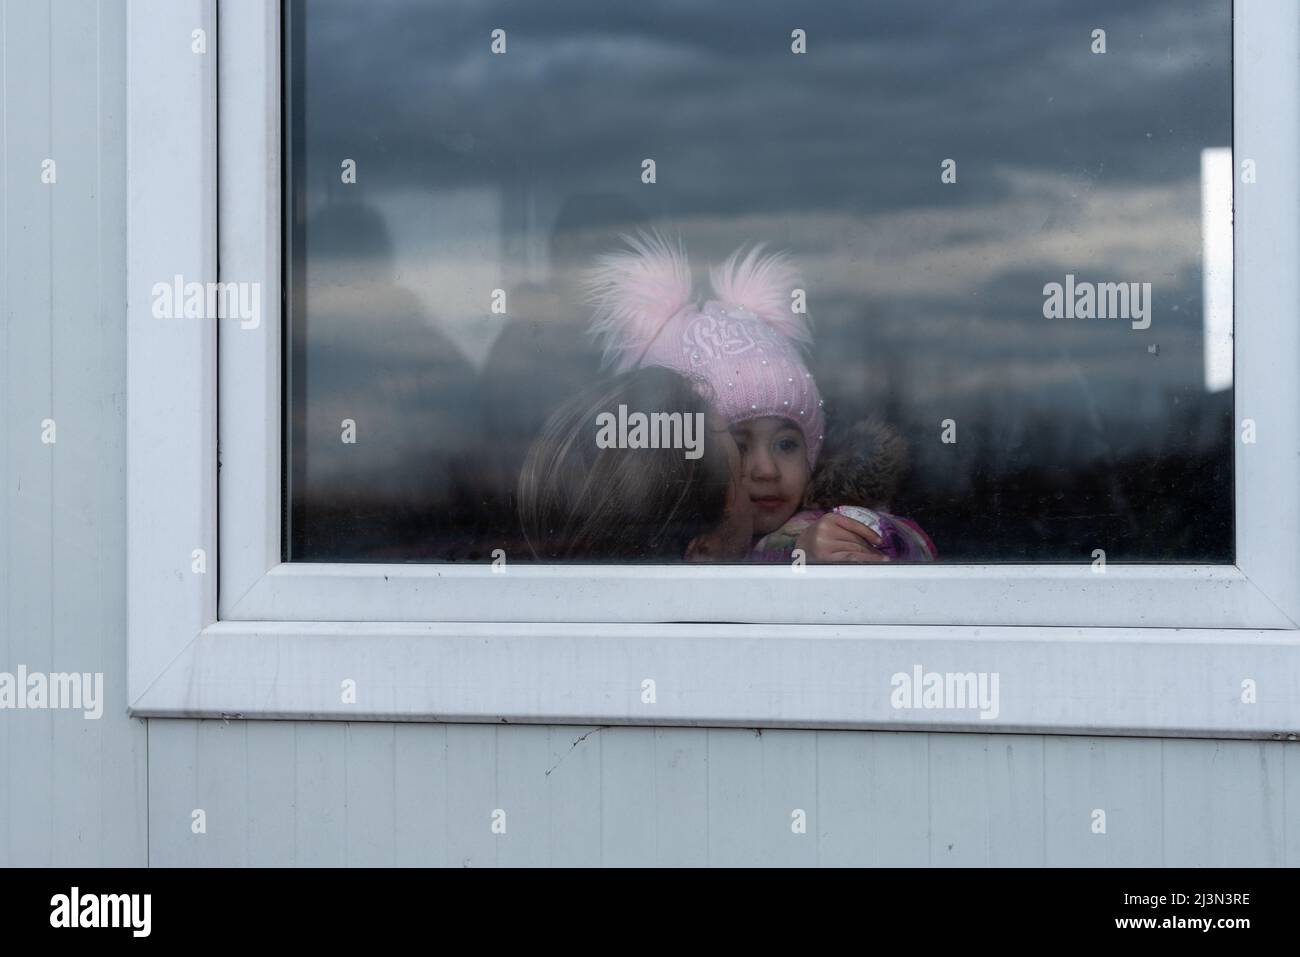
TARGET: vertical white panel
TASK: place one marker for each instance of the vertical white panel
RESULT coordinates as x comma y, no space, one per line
421,800
472,795
986,804
371,794
896,818
208,803
1015,776
681,805
28,400
627,796
738,818
573,780
220,760
898,809
320,794
523,757
270,777
6,856
1103,802
173,793
1291,805
122,823
78,379
959,800
986,800
845,831
1223,803
80,786
789,785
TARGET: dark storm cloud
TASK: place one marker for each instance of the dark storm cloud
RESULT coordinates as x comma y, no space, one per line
736,121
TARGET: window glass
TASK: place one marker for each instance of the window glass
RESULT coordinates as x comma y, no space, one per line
1006,224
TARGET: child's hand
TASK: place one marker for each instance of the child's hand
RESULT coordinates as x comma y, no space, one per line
835,538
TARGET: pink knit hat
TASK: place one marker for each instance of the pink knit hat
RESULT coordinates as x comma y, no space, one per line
743,346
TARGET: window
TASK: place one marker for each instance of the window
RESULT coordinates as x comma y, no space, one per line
221,622
933,169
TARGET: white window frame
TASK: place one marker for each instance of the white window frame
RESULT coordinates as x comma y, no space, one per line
1138,649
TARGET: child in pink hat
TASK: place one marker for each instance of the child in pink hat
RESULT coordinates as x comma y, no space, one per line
743,347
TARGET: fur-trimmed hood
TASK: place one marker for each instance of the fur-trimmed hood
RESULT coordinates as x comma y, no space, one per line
862,464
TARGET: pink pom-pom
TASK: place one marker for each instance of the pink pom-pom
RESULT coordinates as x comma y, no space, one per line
635,292
763,284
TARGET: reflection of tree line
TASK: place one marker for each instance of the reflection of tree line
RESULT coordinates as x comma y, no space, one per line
1173,502
1045,469
432,475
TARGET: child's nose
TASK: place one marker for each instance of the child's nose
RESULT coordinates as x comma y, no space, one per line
762,465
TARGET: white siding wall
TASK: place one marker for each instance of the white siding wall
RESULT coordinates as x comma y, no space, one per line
120,791
71,791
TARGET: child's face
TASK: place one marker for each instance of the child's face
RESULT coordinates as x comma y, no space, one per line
774,469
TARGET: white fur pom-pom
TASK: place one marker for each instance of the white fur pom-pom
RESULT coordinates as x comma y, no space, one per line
763,284
635,292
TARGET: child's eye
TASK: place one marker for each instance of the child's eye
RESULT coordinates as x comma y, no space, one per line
788,445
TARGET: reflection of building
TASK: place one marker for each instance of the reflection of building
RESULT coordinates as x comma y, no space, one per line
543,352
364,350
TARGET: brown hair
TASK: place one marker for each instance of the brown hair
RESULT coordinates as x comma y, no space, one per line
581,502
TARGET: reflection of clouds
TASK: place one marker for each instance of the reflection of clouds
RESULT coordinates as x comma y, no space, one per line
1068,161
971,382
961,282
1139,232
1142,232
585,85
